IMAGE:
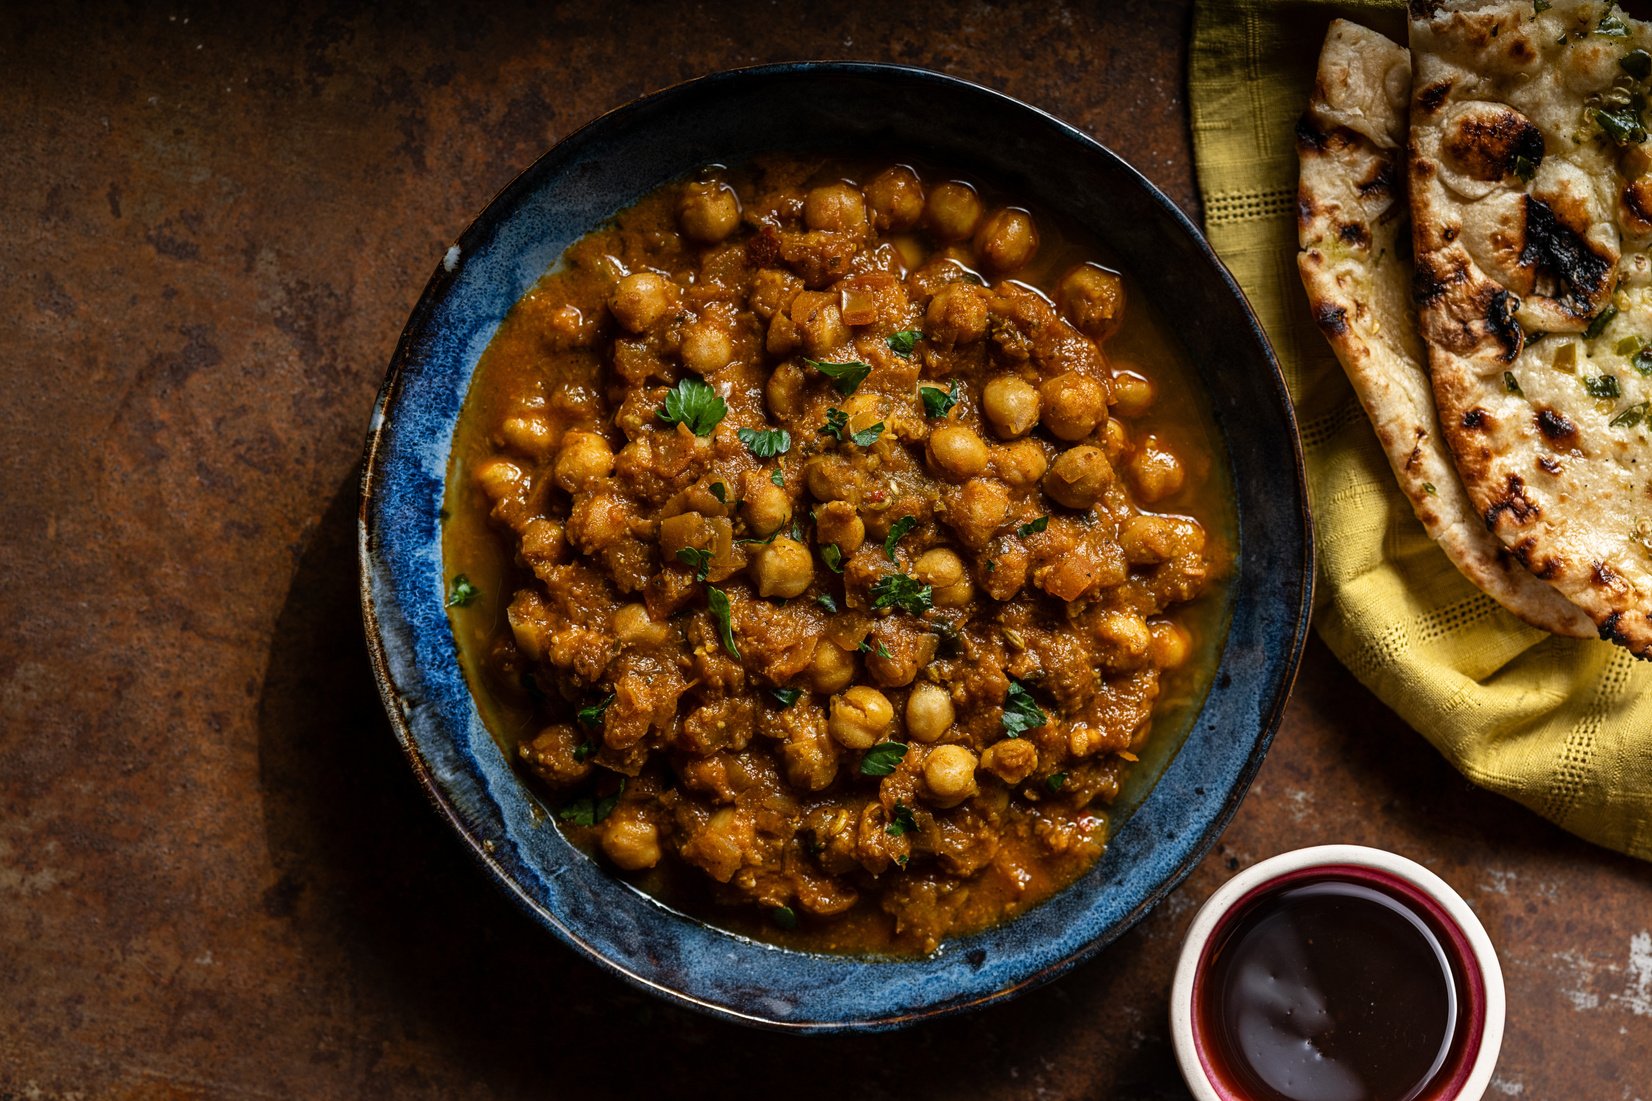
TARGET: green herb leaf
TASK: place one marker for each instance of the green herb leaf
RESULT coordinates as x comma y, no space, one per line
896,590
1602,319
1510,383
865,436
766,443
901,821
695,404
1621,122
1631,415
903,342
1628,346
896,530
583,751
836,422
1033,527
937,402
825,601
717,601
777,477
864,646
1539,6
463,592
846,377
833,557
591,714
695,559
1524,168
1428,488
1642,361
786,696
1056,781
1637,63
589,810
1021,713
882,758
720,491
784,916
1606,386
1612,26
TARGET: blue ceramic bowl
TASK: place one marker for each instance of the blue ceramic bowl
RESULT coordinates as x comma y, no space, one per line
585,180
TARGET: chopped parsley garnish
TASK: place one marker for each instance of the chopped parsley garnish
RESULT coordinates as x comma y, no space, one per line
896,590
836,422
1524,168
766,443
865,436
720,491
695,404
1510,383
588,810
825,601
1620,121
784,916
882,651
1642,361
882,758
463,592
1602,319
832,556
1056,781
900,822
1612,26
1606,386
1631,416
777,477
903,342
1021,713
583,751
1637,63
938,402
591,715
846,377
786,696
1033,527
717,601
896,530
695,559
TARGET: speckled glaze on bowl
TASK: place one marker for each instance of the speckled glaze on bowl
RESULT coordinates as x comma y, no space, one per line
823,107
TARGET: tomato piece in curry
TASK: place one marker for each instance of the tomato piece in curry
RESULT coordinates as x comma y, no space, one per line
820,557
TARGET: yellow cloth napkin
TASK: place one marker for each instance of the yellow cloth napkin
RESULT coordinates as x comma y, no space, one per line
1561,725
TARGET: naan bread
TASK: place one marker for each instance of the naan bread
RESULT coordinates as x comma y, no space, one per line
1532,218
1352,220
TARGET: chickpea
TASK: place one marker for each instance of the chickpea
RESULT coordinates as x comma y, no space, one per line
706,347
633,626
641,299
1171,644
981,510
1132,394
954,211
1021,463
819,319
1114,439
831,669
942,570
859,717
585,459
949,775
809,759
1149,540
839,523
783,568
829,478
1093,300
1012,760
835,206
956,452
1124,641
1155,472
1078,477
1074,405
631,841
784,392
929,712
767,508
897,198
708,212
1010,405
1007,240
500,478
956,315
529,432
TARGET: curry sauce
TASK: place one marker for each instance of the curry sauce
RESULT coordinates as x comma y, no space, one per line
828,544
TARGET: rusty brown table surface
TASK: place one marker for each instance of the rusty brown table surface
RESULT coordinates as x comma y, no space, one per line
217,877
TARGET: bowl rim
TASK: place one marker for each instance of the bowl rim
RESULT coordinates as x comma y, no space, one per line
1239,890
397,703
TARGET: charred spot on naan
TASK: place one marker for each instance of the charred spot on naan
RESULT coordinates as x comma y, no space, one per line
1608,578
1636,211
1569,269
1518,507
1543,568
1555,426
1431,98
1331,319
1492,141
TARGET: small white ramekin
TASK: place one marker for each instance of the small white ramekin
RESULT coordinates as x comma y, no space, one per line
1329,858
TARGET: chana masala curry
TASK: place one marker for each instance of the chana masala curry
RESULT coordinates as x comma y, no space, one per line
822,542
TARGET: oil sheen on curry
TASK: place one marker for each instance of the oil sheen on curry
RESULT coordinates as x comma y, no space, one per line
823,539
